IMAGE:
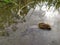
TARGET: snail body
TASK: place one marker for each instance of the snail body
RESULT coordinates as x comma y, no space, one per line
44,26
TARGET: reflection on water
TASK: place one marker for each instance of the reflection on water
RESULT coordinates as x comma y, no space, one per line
34,36
51,16
41,37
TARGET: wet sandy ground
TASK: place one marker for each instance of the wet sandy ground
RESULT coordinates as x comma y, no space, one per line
29,34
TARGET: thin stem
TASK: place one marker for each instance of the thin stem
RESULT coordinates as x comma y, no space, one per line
24,7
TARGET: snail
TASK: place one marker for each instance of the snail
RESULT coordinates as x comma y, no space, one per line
44,26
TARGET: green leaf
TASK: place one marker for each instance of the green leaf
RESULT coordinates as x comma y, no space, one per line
7,1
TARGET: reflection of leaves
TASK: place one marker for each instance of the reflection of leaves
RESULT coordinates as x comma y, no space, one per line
6,5
5,15
50,2
2,26
24,11
58,3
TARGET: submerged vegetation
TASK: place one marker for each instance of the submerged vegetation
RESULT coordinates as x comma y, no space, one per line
18,9
4,33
